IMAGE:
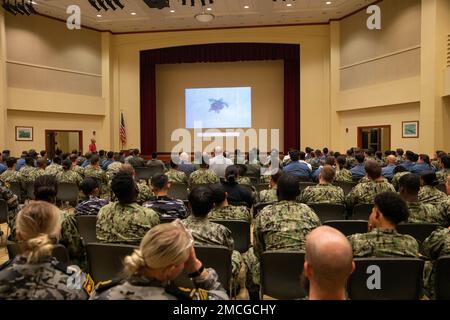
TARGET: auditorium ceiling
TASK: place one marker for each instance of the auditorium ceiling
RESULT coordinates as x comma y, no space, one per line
137,16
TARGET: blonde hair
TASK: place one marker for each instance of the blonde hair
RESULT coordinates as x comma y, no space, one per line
38,224
164,245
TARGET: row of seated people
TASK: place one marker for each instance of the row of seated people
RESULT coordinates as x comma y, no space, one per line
281,226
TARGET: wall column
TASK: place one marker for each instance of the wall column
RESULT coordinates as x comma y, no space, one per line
335,86
107,132
3,82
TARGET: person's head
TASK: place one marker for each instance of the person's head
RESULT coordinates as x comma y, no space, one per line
128,168
117,157
301,155
445,162
201,201
294,155
387,153
95,159
242,169
409,155
73,158
29,161
219,195
41,163
328,263
218,151
341,161
67,165
90,187
331,161
373,169
409,186
101,153
350,153
379,155
154,155
24,154
231,174
57,160
110,155
275,177
43,153
45,188
428,178
160,183
93,140
424,158
11,163
327,174
162,254
65,156
38,227
308,150
325,151
136,152
399,152
288,187
360,157
185,157
124,187
88,155
389,210
390,160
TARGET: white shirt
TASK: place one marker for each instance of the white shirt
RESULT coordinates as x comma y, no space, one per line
218,164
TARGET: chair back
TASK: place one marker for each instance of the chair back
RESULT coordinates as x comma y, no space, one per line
280,274
16,189
86,225
328,211
105,260
29,187
67,192
178,191
442,280
442,187
262,186
216,257
240,231
166,219
361,211
146,173
346,186
420,231
59,251
258,207
3,211
348,227
386,279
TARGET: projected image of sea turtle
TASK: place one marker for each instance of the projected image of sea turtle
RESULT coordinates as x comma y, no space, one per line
217,105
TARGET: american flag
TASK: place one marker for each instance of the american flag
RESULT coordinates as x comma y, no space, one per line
123,131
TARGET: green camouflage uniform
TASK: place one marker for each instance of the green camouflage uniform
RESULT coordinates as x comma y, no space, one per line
78,169
47,280
142,288
431,195
113,168
12,203
53,169
365,179
323,193
71,239
444,210
176,176
124,223
145,193
269,195
397,177
207,233
9,176
244,180
203,176
435,246
69,176
366,192
343,175
424,213
100,175
231,212
442,175
28,174
383,243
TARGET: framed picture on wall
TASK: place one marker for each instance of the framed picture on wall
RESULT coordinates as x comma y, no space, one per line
410,129
24,133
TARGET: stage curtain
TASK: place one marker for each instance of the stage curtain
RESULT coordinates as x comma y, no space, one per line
221,52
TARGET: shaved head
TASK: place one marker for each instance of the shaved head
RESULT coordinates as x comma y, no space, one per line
391,159
328,259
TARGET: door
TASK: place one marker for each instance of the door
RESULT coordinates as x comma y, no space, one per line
377,138
64,140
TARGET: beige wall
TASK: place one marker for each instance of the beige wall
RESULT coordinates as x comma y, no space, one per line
314,41
265,77
392,115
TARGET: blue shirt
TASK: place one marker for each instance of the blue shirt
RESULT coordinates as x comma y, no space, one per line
20,163
297,169
418,168
358,171
388,171
3,168
106,163
407,164
85,163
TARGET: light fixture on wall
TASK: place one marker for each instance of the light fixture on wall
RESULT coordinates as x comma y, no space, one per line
24,7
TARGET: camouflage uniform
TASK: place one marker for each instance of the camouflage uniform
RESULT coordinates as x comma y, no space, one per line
69,176
384,243
244,180
124,223
10,176
71,239
207,233
114,167
47,280
264,179
90,206
424,213
145,193
167,207
351,161
53,169
397,177
444,211
136,162
344,175
141,288
365,179
78,169
269,195
12,202
435,246
203,176
176,176
442,175
366,192
232,213
28,174
431,195
323,193
100,175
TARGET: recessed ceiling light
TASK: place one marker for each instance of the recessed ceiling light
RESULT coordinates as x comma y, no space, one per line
172,11
209,9
99,15
328,2
133,13
246,7
289,5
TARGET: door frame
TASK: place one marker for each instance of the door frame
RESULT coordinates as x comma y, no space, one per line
80,138
360,129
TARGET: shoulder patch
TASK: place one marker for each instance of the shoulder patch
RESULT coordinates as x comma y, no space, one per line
88,284
105,285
